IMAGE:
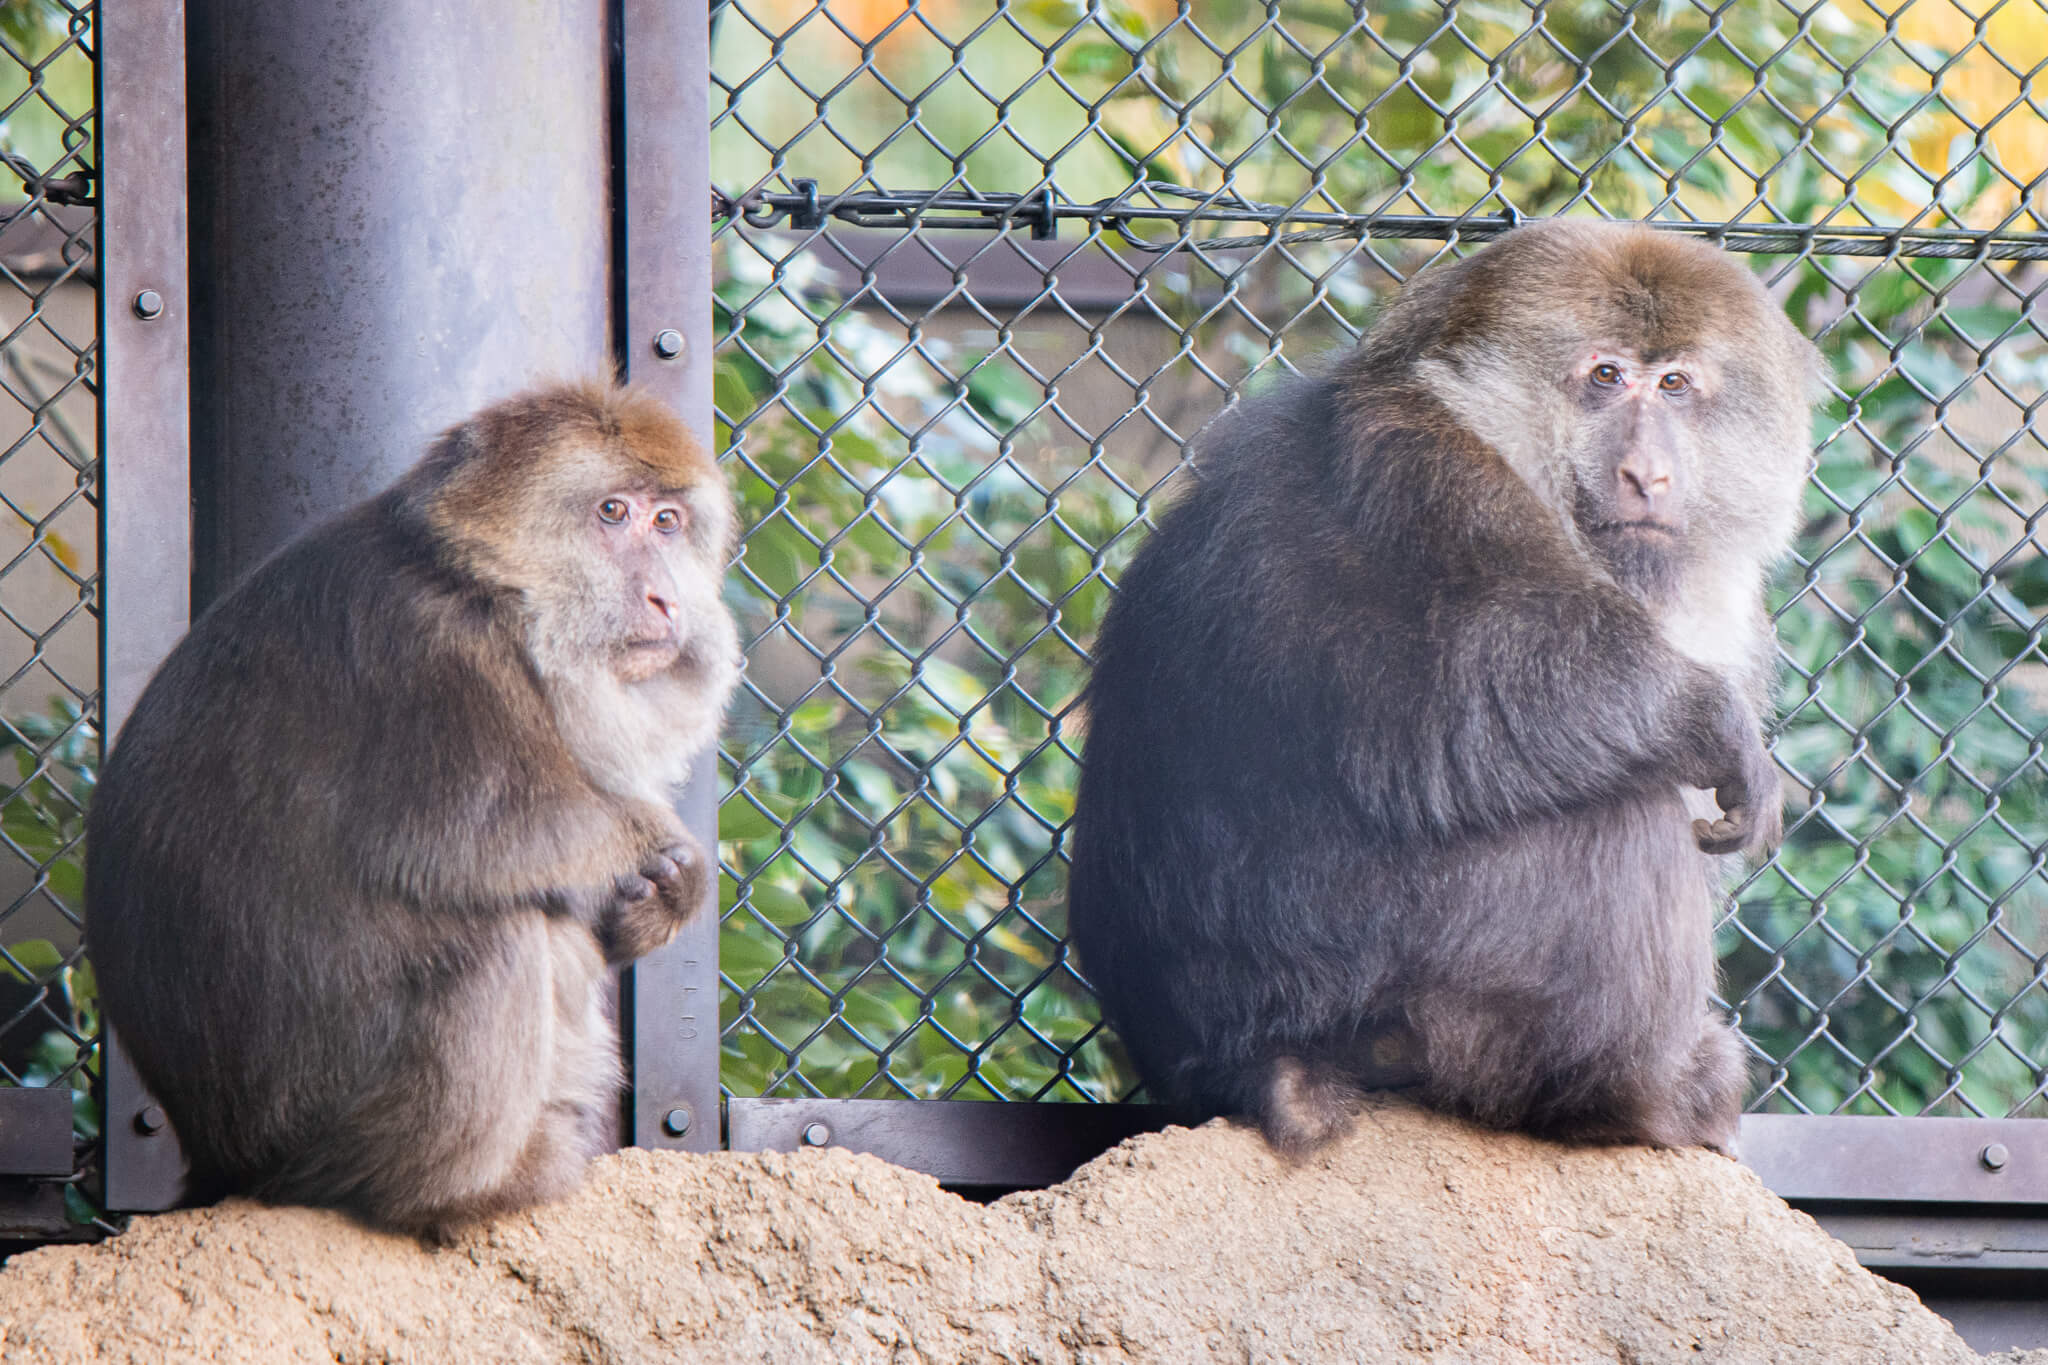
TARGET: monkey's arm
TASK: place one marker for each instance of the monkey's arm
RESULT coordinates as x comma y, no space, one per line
1531,699
520,835
467,798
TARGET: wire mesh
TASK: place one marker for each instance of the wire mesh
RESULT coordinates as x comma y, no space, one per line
948,433
49,548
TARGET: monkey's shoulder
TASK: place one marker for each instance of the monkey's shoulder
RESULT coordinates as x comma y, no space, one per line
1316,504
353,626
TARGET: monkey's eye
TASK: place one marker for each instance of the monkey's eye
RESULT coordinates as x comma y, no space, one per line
1674,382
1607,374
613,510
668,521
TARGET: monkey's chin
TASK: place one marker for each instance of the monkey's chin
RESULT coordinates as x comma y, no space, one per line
1644,557
639,660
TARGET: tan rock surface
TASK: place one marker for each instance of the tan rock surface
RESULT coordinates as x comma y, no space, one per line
1418,1238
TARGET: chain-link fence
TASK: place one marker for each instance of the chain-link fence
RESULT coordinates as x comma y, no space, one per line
987,268
49,546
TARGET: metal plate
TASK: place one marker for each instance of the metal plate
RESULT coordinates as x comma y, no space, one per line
962,1142
1800,1157
35,1131
671,995
145,445
1921,1160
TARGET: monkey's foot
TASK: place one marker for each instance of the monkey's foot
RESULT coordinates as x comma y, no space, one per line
1305,1106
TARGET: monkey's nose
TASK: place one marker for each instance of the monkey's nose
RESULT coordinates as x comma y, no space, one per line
1643,486
662,605
1646,481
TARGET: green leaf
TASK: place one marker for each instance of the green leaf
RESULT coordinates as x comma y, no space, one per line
38,957
740,822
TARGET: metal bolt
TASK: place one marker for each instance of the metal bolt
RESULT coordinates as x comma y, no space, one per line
676,1122
1994,1157
150,1121
668,343
816,1135
149,305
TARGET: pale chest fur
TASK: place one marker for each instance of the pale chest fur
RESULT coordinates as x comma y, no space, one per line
1718,622
635,739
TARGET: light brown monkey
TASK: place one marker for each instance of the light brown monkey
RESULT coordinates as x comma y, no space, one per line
1396,720
361,854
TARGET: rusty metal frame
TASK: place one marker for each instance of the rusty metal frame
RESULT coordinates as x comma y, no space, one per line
145,445
669,999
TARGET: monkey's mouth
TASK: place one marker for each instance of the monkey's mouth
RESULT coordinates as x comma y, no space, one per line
1648,529
640,657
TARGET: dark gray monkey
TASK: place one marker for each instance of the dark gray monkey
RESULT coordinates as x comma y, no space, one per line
1396,722
362,853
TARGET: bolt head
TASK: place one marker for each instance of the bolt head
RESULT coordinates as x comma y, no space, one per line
668,343
150,1121
676,1122
1994,1157
149,305
816,1135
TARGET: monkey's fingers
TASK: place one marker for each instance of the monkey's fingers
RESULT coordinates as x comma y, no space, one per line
670,864
634,886
1770,827
1726,835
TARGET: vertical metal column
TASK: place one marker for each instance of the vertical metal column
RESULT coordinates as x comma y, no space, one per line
671,997
145,446
400,212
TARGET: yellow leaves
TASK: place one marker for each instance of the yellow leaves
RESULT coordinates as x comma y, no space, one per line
1979,90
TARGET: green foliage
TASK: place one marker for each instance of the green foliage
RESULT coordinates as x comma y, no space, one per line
49,1003
1891,958
896,837
896,809
46,84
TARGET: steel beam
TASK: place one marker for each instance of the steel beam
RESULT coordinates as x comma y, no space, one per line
145,449
671,996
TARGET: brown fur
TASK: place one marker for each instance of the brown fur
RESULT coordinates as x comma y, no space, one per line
362,853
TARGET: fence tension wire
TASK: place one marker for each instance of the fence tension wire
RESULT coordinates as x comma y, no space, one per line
805,209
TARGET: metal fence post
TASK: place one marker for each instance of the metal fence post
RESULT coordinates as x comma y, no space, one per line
145,440
671,999
400,212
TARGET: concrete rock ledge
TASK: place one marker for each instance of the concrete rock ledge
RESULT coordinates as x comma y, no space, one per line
1418,1238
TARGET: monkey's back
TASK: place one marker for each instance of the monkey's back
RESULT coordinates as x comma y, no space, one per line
273,975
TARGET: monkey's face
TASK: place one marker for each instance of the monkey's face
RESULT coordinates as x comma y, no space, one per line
632,531
631,572
1635,458
1644,385
604,518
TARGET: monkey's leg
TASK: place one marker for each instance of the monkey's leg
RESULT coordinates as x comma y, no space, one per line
578,1074
496,1092
1703,1103
1691,1098
652,904
1305,1104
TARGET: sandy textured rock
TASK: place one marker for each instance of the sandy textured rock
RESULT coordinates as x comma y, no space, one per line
1416,1239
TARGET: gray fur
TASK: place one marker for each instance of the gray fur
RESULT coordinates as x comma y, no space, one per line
1396,720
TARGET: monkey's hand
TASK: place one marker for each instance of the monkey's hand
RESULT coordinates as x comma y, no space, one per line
651,904
1745,786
